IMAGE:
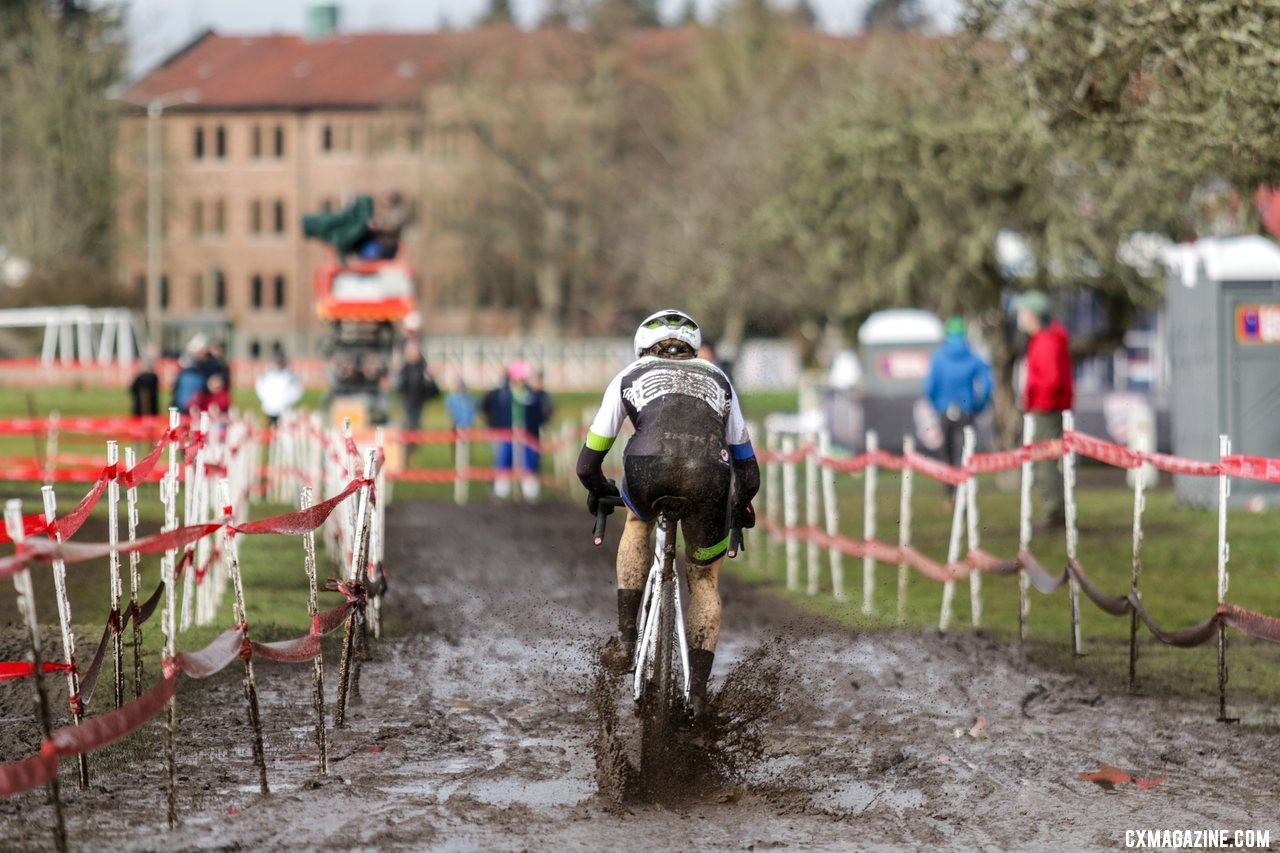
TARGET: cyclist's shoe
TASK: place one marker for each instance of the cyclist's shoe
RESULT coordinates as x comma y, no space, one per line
700,661
619,655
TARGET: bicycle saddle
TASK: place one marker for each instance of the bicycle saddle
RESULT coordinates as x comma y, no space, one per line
672,507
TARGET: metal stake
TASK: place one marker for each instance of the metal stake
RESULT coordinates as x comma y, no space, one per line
68,635
1073,531
1024,525
904,523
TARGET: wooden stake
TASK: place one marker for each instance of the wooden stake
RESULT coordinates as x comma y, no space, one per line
348,671
1024,525
831,504
1224,554
68,635
1139,504
869,526
953,555
117,589
317,672
230,548
813,553
971,511
27,607
790,513
168,569
904,523
1073,531
772,493
135,573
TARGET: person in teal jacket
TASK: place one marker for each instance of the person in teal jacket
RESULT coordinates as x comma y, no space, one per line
958,387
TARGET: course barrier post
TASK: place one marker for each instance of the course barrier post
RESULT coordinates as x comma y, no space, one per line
461,463
230,549
169,620
904,523
813,553
135,571
953,554
971,513
27,607
771,495
348,667
1073,529
869,526
1024,524
117,587
790,512
1224,554
313,606
1139,504
64,623
831,503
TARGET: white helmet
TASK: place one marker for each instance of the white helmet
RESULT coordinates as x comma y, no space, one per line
670,324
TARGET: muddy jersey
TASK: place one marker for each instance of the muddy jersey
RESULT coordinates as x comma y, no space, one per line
683,409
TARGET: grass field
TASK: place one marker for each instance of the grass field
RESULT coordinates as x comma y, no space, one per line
1178,583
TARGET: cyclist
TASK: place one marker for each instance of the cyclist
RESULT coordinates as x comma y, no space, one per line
690,442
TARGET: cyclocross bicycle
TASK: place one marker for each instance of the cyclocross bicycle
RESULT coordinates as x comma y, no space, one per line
661,695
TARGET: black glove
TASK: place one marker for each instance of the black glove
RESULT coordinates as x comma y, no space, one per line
608,490
744,516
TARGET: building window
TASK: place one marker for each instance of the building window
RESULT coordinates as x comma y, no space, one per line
219,289
255,217
279,141
279,291
219,216
255,349
326,138
164,291
220,142
326,204
255,291
255,141
197,145
197,290
278,217
197,217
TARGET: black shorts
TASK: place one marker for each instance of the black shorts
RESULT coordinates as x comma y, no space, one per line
704,484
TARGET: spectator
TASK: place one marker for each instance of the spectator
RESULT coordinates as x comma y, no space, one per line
389,219
215,363
1048,393
461,405
416,387
278,389
958,387
537,409
214,399
189,382
144,391
503,411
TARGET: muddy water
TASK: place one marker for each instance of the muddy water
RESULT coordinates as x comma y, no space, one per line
478,729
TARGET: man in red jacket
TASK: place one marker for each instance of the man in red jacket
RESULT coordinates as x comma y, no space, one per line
1048,393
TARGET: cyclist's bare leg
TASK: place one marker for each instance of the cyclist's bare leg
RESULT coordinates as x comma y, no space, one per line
633,569
703,628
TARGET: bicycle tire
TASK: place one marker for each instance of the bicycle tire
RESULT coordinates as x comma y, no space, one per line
658,710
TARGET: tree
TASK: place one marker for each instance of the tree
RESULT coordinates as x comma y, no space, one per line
894,15
57,132
499,13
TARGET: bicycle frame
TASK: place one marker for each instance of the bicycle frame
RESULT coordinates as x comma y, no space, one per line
662,576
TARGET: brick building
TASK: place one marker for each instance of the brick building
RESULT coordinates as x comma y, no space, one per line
257,131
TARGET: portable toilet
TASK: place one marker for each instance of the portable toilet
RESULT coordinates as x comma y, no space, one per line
1224,314
896,346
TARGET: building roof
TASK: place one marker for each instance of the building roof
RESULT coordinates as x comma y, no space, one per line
365,70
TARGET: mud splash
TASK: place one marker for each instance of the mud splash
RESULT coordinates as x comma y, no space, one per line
714,753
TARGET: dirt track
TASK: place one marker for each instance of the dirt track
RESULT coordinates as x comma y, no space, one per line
476,732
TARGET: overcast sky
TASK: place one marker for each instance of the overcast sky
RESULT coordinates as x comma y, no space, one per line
157,27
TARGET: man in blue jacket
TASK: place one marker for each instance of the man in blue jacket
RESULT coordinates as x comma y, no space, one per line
959,387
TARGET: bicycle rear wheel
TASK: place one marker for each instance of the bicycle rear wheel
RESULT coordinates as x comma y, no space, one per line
658,705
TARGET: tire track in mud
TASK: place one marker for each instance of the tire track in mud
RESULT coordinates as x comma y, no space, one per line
477,730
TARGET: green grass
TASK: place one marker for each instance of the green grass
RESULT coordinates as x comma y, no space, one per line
1178,583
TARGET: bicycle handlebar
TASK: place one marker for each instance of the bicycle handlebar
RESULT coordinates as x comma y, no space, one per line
608,502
